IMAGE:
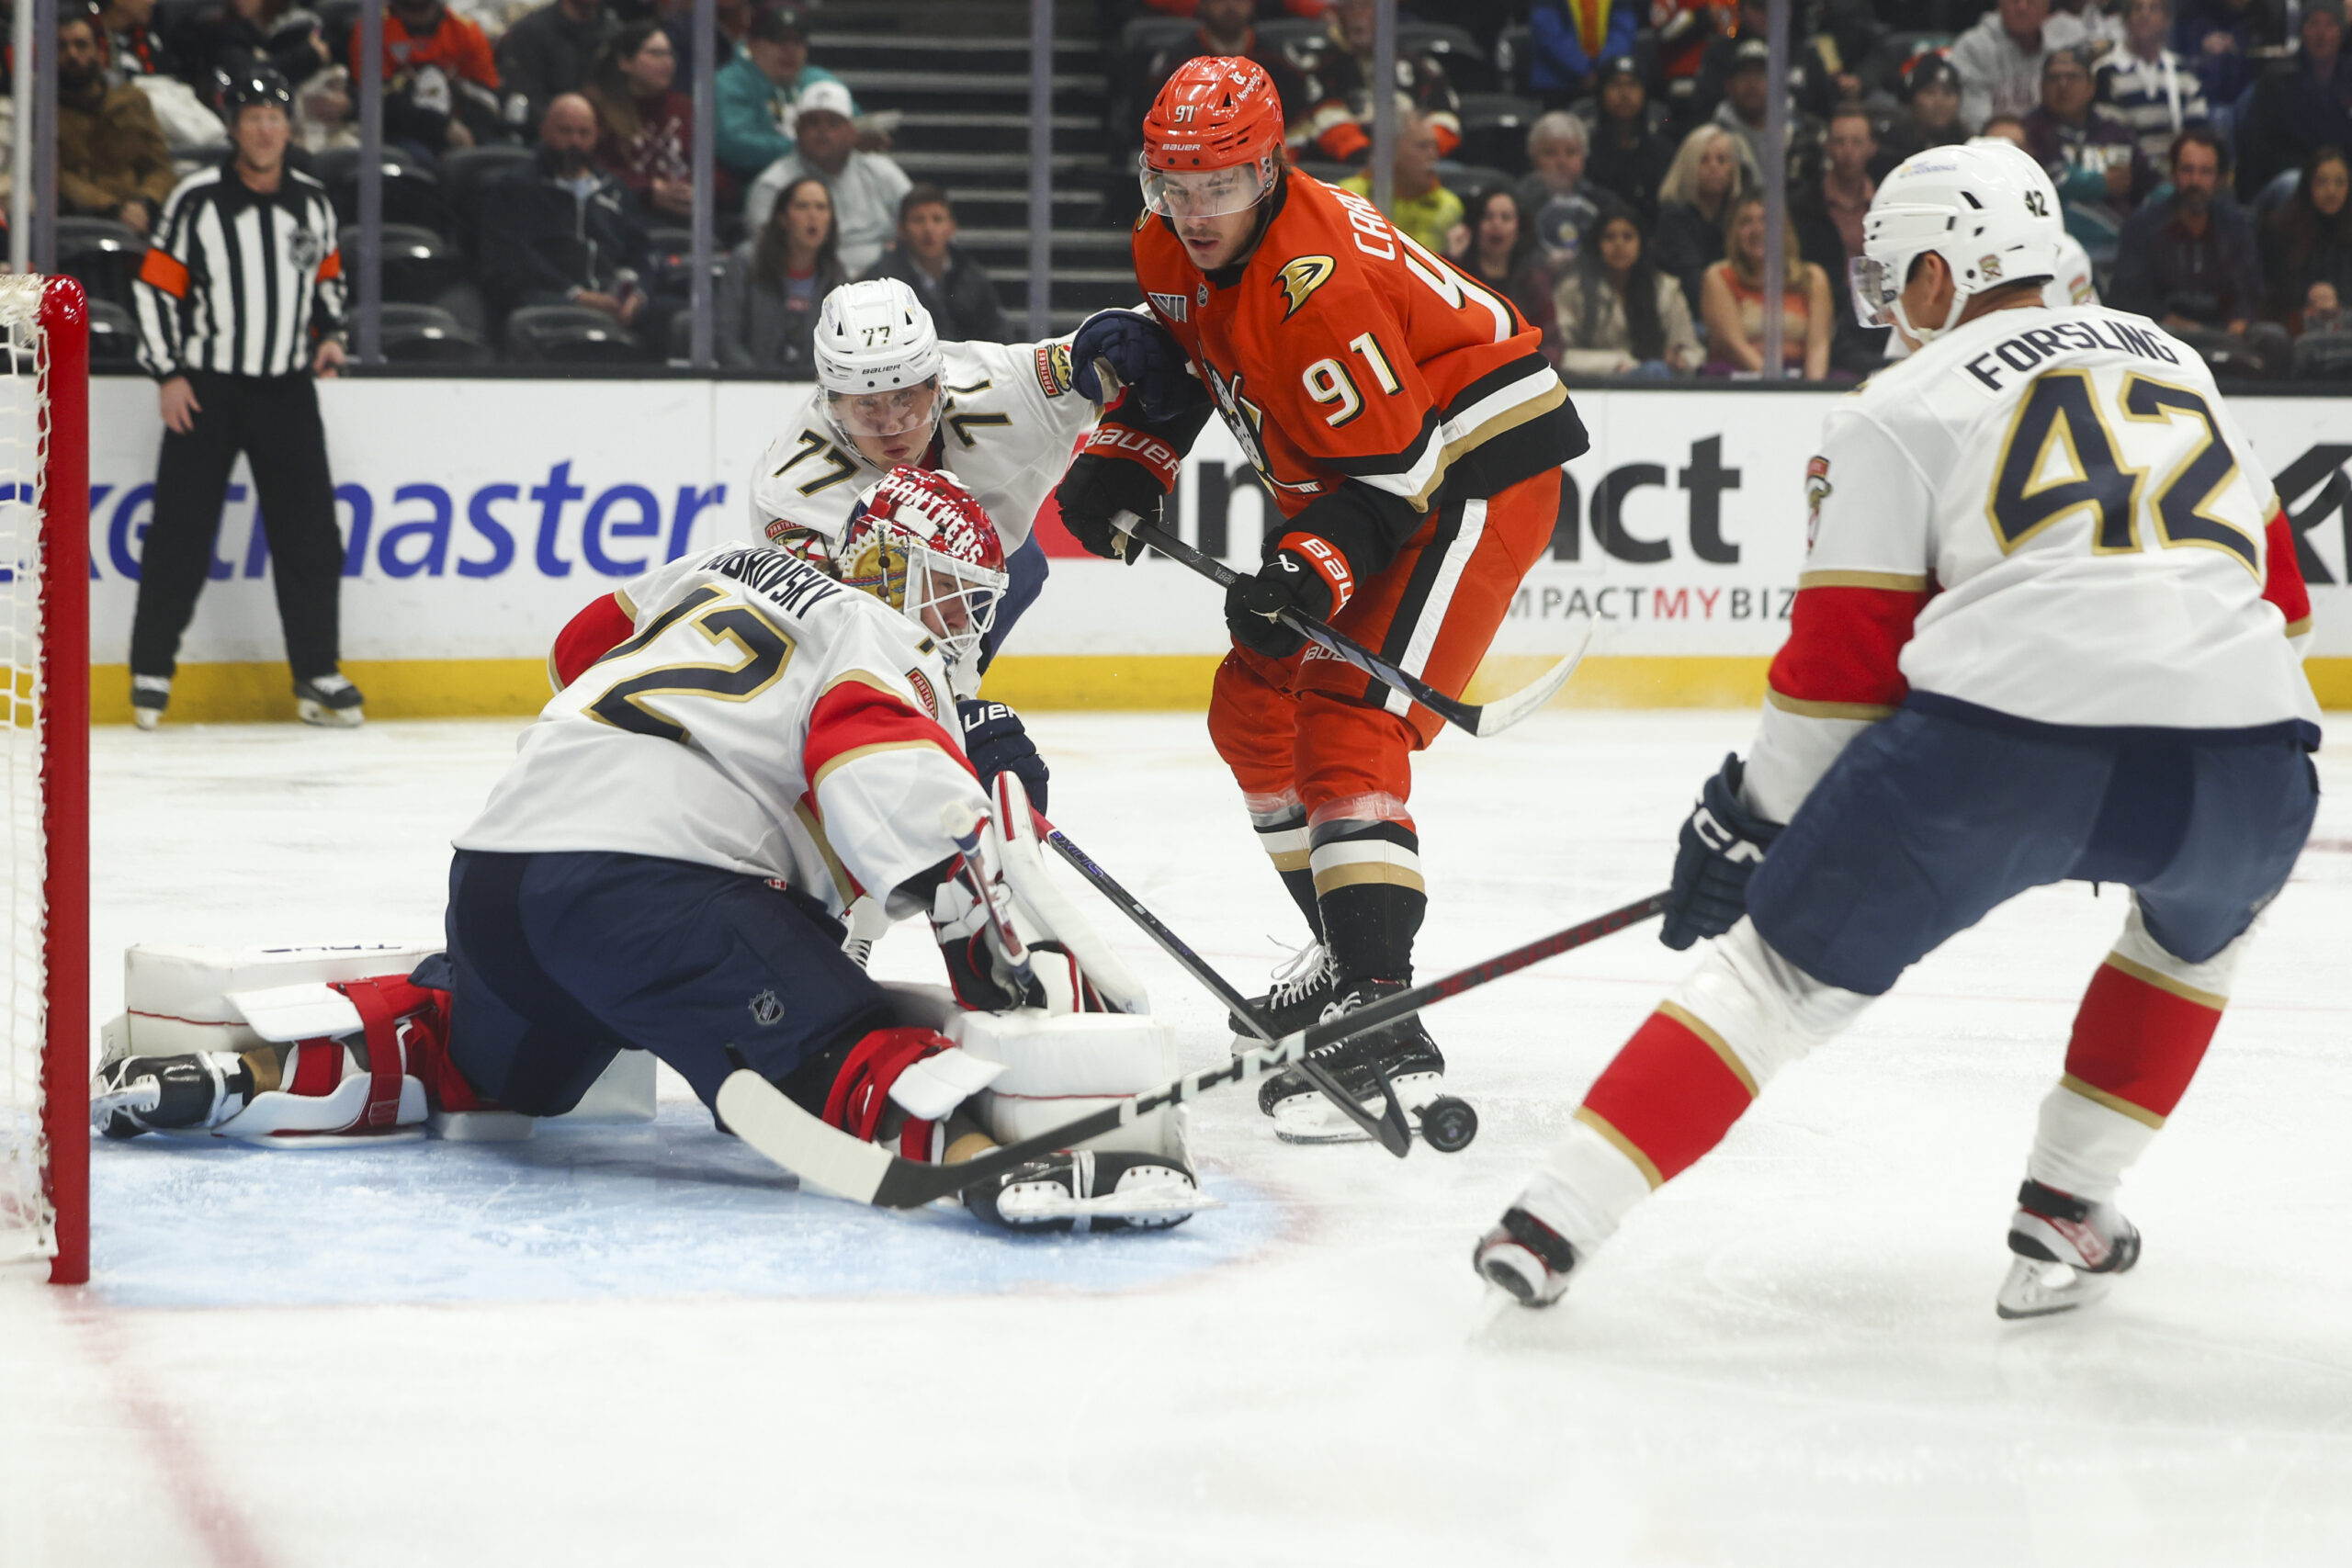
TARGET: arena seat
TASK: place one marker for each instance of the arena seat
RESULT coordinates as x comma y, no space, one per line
567,334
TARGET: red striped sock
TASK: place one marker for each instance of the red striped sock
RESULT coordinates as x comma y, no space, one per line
2138,1039
1669,1095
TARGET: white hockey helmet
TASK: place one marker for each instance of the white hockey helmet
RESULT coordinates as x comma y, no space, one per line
1986,208
877,363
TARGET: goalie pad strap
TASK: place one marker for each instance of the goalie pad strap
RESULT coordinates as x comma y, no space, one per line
379,1023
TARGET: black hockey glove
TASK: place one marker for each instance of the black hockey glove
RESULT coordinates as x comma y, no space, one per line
996,741
1723,843
1146,357
1308,577
1101,488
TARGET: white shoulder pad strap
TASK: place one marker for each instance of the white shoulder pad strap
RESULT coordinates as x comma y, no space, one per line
1042,901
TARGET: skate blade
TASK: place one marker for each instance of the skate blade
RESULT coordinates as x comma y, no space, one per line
1160,1203
326,717
1311,1119
2035,1289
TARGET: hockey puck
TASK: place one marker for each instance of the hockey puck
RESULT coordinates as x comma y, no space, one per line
1449,1124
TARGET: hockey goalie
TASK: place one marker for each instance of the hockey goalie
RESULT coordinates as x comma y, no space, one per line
742,744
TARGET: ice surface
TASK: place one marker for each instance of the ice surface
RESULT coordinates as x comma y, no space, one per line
639,1345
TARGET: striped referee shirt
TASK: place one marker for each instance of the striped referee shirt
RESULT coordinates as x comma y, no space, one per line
235,279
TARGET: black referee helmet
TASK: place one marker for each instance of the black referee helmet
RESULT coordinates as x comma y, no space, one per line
251,85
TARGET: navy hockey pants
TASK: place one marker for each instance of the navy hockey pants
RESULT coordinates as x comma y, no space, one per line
562,961
1938,813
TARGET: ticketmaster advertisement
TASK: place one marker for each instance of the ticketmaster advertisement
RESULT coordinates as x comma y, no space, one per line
478,515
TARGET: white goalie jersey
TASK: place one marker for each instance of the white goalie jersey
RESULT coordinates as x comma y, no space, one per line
762,718
1011,421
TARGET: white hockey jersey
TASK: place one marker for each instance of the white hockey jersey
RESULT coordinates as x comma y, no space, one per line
762,719
1006,433
2045,514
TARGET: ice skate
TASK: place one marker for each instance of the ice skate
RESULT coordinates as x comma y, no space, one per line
1090,1189
1305,984
149,695
1402,1051
182,1093
330,701
2068,1253
1527,1257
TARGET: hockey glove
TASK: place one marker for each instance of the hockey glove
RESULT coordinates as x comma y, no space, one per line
1146,357
996,741
1722,845
1307,576
1105,484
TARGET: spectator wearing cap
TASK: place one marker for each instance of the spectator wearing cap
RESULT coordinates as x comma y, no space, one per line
2218,38
441,82
1627,149
866,188
1558,202
562,231
648,136
757,95
1746,93
2190,262
2092,158
112,161
2000,59
1224,30
2147,85
2297,110
1423,210
1817,83
953,287
549,51
1930,116
1573,40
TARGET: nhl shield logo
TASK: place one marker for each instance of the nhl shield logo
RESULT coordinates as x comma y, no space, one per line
765,1009
306,250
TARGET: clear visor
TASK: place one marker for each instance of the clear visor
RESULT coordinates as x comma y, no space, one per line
1875,290
878,415
1205,193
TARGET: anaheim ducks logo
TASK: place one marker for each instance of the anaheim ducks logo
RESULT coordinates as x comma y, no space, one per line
1302,277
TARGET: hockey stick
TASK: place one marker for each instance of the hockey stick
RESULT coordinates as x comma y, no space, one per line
850,1168
1480,718
1389,1128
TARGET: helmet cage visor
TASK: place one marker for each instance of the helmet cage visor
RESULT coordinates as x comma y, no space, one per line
954,601
1179,194
879,415
1876,289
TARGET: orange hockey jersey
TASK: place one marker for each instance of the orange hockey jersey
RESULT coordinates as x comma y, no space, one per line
1342,351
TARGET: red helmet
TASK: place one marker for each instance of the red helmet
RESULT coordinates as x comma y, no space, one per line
919,543
1217,112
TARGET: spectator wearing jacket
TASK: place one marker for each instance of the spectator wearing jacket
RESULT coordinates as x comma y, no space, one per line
1710,175
954,287
441,82
1225,29
1558,203
2218,38
1573,40
866,188
112,161
757,95
2190,262
562,231
2149,87
1619,315
549,50
2092,158
1626,149
648,135
136,47
2307,243
776,282
2000,59
2299,109
1930,116
240,35
1337,70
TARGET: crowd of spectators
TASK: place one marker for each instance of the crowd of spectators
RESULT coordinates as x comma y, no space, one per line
548,151
2198,148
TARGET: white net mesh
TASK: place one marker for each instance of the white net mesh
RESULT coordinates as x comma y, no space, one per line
28,1224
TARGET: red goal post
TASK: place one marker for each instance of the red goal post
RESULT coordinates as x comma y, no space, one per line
44,735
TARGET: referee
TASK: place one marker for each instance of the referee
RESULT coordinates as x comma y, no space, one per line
240,303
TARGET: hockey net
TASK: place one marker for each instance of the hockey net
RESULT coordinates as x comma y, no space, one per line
44,735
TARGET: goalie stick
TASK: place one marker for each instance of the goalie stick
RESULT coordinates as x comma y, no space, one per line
850,1168
1479,718
1390,1128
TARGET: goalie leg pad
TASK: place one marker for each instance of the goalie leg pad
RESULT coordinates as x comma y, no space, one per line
1058,1069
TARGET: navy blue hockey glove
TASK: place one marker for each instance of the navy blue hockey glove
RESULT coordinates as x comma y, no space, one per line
1307,576
1723,843
1145,357
997,743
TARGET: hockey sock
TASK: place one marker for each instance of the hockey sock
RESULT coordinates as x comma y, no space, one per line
1674,1089
2139,1037
1366,861
1280,824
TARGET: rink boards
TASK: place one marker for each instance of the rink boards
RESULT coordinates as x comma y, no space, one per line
478,515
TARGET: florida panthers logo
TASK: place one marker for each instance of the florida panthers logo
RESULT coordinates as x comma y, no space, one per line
1816,491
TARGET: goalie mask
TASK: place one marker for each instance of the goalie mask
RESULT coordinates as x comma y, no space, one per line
922,545
878,370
